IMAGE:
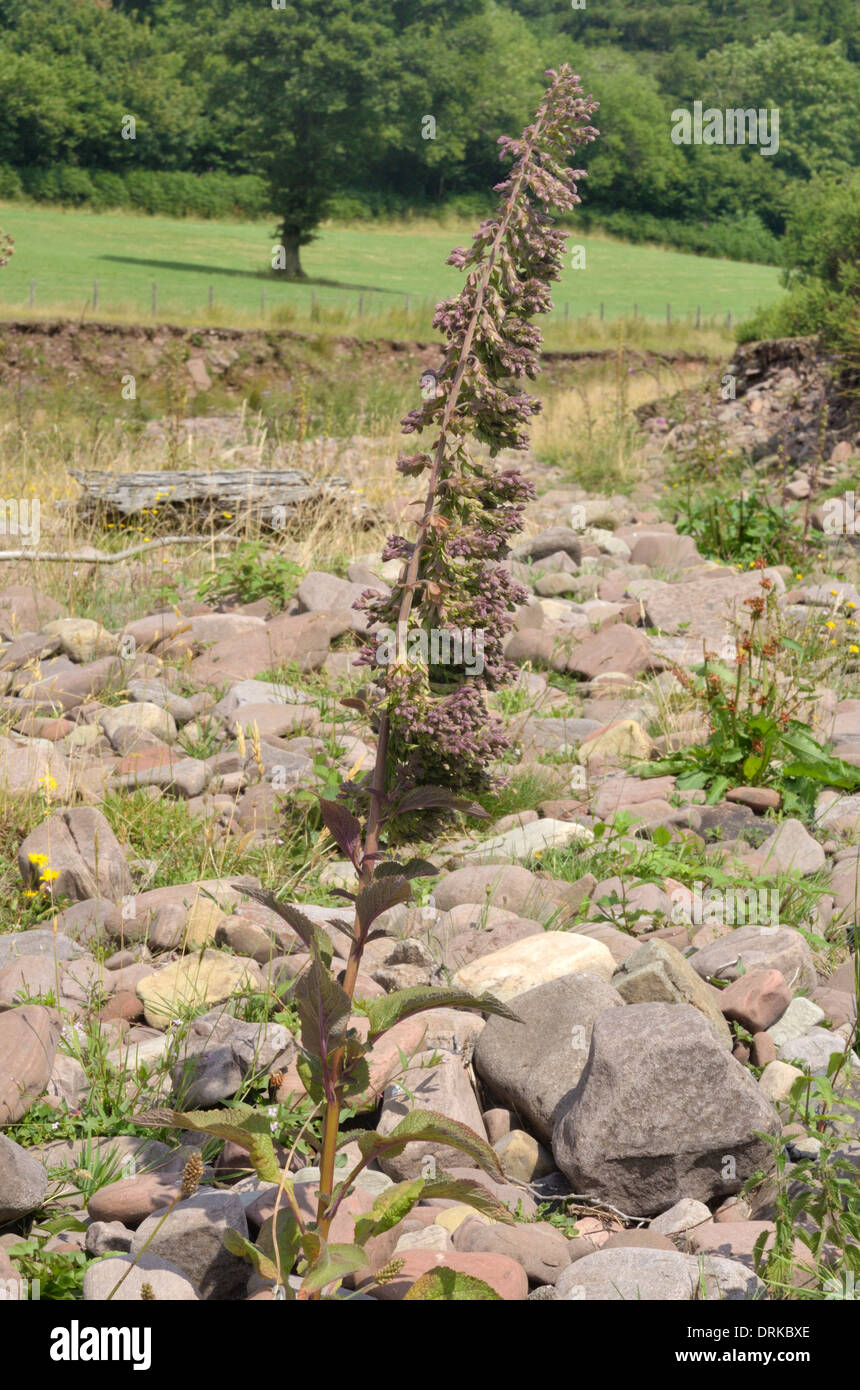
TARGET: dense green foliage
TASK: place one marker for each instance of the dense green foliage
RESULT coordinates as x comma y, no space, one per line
821,270
323,105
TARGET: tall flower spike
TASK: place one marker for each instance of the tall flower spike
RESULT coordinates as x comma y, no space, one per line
433,719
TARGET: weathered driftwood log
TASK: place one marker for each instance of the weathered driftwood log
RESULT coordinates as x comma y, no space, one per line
271,495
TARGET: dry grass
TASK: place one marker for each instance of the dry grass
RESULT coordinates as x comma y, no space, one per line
586,430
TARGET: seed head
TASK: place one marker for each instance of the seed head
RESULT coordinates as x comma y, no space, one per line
191,1175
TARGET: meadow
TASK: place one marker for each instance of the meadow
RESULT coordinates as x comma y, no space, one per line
367,277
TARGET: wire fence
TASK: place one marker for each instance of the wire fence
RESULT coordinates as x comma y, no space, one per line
368,304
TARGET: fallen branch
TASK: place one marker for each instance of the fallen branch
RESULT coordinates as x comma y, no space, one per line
100,559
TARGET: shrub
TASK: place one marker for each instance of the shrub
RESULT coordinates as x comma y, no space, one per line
10,182
821,269
252,572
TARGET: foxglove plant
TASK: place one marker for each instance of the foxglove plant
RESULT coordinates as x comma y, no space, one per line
432,721
452,577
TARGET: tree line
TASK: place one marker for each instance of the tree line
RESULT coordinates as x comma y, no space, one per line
308,108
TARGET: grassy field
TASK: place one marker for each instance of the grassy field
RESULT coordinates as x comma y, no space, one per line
352,271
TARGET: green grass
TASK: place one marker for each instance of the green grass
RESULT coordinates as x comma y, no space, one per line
64,252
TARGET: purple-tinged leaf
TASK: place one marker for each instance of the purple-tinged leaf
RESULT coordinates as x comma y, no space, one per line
413,868
344,828
324,1009
437,799
377,897
310,933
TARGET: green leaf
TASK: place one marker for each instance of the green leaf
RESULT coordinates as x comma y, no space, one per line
751,766
281,1245
428,1126
332,1264
450,1286
692,781
324,1008
403,1003
472,1194
310,1072
57,1224
390,1207
718,789
241,1124
240,1245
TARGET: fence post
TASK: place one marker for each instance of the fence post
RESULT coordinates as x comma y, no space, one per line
408,303
635,311
32,293
601,311
729,319
566,311
155,297
698,315
313,304
361,306
668,315
211,296
95,295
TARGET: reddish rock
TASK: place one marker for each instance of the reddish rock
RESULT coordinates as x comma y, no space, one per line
756,1000
132,1200
156,756
643,1240
303,639
762,1050
53,729
24,608
542,1251
29,1036
498,1123
759,799
735,1240
839,1006
503,1274
616,648
123,1006
733,1209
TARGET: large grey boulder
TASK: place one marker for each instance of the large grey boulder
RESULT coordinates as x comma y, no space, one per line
662,1111
532,1064
657,973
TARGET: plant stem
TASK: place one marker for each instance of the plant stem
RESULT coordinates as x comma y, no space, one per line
409,583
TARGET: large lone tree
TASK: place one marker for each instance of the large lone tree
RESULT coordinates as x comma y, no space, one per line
318,84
